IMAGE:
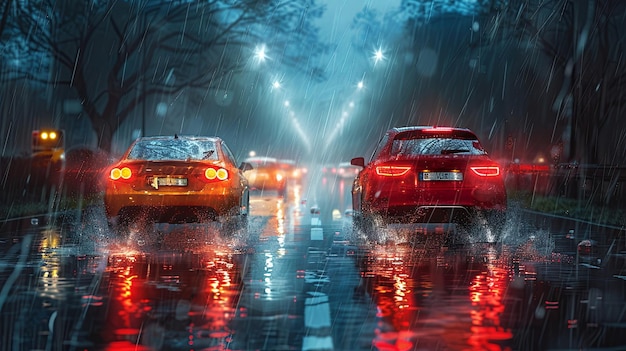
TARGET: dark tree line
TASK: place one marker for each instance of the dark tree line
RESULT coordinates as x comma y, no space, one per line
549,72
113,56
584,40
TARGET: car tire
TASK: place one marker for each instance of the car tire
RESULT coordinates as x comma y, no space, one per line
123,226
233,223
357,222
243,222
368,225
492,223
118,226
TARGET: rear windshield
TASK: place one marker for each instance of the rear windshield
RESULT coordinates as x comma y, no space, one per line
436,146
173,149
264,165
263,162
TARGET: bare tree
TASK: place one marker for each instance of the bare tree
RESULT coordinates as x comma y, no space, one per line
584,40
116,54
4,15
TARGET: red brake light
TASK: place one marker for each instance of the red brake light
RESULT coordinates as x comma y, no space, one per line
438,129
392,171
123,173
486,171
212,174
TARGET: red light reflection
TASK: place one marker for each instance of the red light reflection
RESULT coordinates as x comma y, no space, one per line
486,293
190,295
435,301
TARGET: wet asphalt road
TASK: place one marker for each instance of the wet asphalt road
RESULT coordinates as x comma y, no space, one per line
302,281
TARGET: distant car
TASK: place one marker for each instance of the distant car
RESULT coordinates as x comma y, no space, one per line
291,169
347,170
266,174
424,174
329,170
177,179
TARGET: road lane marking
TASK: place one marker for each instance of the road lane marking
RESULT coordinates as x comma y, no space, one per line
317,311
317,316
317,320
313,278
317,343
317,234
589,266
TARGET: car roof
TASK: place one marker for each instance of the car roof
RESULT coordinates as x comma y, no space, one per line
421,127
438,131
261,159
175,136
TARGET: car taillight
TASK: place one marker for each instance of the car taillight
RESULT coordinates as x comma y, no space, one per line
486,171
392,171
212,174
121,173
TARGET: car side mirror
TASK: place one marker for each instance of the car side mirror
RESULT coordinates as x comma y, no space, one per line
358,161
245,166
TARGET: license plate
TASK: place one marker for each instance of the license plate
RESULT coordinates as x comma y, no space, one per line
167,181
434,176
156,182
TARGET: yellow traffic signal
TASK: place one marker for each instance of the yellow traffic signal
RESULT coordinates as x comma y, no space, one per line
47,140
52,135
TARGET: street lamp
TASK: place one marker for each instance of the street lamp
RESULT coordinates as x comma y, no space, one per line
378,55
260,53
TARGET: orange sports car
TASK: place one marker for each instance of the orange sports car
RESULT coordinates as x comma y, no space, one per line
177,179
266,175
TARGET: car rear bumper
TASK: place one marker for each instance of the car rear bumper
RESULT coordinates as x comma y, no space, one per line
408,200
430,213
166,204
423,214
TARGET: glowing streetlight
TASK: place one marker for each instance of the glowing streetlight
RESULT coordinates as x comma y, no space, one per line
276,84
260,53
360,85
378,56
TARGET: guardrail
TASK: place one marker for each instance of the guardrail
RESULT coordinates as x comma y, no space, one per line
35,179
605,184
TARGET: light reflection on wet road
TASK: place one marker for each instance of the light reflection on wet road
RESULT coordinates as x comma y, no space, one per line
299,281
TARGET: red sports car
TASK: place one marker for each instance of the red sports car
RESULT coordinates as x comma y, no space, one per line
176,179
425,174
